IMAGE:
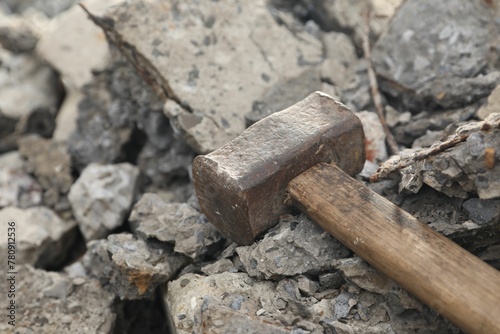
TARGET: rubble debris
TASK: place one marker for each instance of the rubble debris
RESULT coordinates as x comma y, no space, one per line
48,8
16,35
179,68
421,56
50,163
177,223
18,188
465,162
295,246
102,197
131,268
75,46
224,303
218,267
30,94
483,211
492,105
43,239
81,308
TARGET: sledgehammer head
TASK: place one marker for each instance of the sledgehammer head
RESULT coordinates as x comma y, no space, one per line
241,186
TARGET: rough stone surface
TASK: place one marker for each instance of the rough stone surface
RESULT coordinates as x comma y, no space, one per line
483,211
492,105
75,46
102,197
295,246
130,267
26,84
50,163
18,188
422,52
49,8
469,167
16,35
42,238
177,223
204,47
215,301
51,302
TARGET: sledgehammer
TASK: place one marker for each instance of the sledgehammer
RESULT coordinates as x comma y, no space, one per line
304,155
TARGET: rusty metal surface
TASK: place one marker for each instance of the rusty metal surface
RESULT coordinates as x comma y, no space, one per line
241,186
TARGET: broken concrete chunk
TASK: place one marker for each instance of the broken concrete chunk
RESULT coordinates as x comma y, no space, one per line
75,46
229,303
177,223
295,246
49,161
81,308
18,189
492,105
421,56
42,238
130,267
483,211
16,35
471,166
201,52
220,266
102,197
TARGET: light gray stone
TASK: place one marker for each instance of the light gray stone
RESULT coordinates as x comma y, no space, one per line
16,35
75,46
177,223
219,266
18,189
422,51
102,197
26,84
295,246
468,167
42,238
492,105
130,267
483,211
194,67
230,303
49,302
50,163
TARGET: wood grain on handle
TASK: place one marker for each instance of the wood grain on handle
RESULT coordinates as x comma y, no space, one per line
453,282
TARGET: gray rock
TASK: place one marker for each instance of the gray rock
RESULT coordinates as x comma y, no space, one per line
219,266
18,189
49,302
49,8
26,84
42,238
307,286
102,197
468,167
407,132
483,211
177,223
295,246
130,267
422,53
16,35
74,45
49,161
181,67
492,105
332,280
228,303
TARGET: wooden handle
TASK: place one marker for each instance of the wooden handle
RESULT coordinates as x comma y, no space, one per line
453,282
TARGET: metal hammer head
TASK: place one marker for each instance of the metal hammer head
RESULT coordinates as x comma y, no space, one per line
241,186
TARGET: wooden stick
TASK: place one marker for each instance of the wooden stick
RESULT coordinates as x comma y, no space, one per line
453,282
377,100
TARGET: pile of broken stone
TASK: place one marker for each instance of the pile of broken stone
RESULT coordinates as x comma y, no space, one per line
102,112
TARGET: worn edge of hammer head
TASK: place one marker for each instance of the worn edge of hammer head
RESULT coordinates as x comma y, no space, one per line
241,186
